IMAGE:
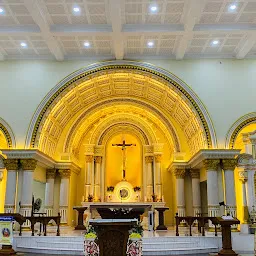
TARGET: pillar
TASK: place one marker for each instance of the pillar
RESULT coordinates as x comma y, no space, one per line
243,177
49,191
180,195
149,175
88,176
158,177
196,196
212,186
64,195
12,166
228,167
250,189
28,167
97,178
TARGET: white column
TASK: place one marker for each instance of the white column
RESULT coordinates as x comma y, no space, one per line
97,176
158,177
250,189
28,166
64,195
88,176
212,187
196,196
49,191
180,195
228,167
12,166
149,175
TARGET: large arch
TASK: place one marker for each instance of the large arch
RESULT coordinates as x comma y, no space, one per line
237,126
8,133
120,81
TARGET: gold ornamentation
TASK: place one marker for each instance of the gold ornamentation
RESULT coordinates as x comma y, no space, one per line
98,159
65,174
11,164
130,68
194,173
211,164
179,173
28,164
158,158
243,176
149,159
7,135
88,158
229,164
50,173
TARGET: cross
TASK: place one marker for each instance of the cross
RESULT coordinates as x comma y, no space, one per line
123,146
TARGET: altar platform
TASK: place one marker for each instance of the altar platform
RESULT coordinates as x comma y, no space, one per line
154,242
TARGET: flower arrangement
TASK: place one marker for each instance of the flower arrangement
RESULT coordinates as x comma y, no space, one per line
136,232
136,189
90,233
110,189
90,198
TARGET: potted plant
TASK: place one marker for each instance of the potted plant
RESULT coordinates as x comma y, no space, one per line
90,198
136,232
90,234
91,247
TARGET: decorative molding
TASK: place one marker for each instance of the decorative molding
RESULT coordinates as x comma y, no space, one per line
237,126
68,166
158,158
243,176
11,164
148,70
8,133
158,148
98,159
229,164
99,150
194,173
89,158
28,164
179,173
89,149
149,159
65,174
211,164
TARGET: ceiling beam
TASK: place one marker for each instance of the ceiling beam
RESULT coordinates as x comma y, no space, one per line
36,10
247,45
115,12
192,15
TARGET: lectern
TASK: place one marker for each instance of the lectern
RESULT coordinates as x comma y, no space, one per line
226,222
112,235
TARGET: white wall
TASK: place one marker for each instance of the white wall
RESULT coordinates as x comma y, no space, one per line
228,90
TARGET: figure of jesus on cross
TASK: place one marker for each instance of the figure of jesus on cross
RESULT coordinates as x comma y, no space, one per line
123,146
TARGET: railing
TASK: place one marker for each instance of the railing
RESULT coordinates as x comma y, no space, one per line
201,222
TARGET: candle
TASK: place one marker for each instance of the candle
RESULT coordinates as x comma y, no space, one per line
82,198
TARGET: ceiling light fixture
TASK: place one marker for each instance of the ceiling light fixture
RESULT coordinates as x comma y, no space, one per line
76,9
86,44
23,44
150,44
1,10
232,7
153,8
215,42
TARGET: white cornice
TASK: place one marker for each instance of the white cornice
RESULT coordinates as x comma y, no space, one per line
177,165
197,159
68,165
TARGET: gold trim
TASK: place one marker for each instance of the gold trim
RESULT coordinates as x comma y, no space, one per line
124,67
7,135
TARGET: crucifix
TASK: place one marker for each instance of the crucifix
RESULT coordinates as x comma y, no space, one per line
123,146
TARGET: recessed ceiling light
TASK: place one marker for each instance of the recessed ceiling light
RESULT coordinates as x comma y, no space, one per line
1,10
232,7
22,44
153,8
76,9
215,42
86,44
150,44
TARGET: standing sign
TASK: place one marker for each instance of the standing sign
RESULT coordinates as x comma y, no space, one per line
6,234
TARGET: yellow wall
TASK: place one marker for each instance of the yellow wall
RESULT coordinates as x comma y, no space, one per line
40,174
2,191
72,199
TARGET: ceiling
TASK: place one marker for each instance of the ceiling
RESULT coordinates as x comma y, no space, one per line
122,29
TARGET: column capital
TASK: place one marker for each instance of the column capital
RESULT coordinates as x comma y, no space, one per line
50,173
65,174
149,159
98,159
158,158
243,176
11,164
89,158
229,164
28,164
179,173
211,164
194,173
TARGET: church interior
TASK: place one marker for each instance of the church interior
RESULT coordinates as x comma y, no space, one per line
129,103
